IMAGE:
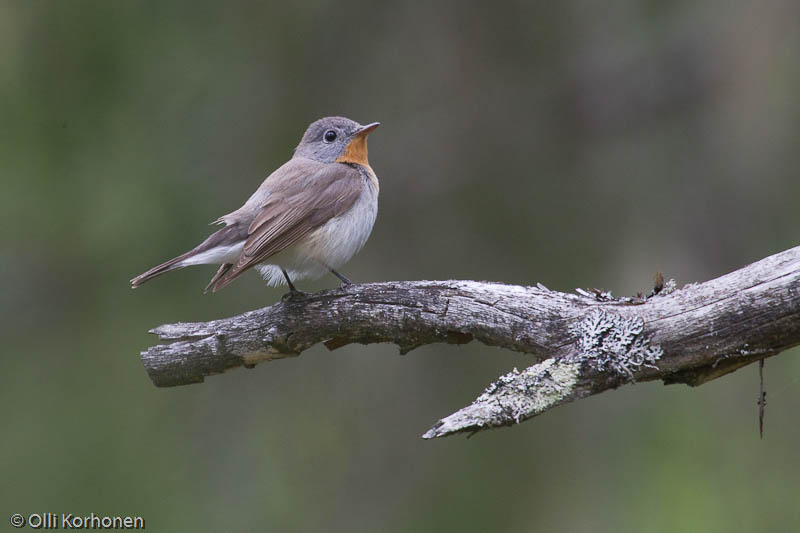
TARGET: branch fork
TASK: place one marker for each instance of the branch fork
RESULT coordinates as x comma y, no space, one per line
578,344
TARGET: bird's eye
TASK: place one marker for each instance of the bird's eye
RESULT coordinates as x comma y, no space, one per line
329,136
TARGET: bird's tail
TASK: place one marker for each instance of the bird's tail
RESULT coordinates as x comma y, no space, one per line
172,264
207,252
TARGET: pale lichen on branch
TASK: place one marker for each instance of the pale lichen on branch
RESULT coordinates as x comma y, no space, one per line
615,343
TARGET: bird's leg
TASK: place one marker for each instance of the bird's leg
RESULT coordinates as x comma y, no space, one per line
289,281
345,281
292,289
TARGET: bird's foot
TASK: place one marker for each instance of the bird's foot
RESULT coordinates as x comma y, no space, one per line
294,295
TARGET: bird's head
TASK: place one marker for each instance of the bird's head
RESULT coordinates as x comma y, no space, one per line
336,140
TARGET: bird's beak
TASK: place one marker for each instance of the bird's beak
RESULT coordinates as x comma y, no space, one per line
363,131
356,149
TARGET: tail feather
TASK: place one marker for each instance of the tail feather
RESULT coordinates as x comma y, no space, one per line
229,236
172,264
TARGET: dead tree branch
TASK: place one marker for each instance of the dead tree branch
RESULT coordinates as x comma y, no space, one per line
578,345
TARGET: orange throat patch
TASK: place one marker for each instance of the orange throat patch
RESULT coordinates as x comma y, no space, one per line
356,152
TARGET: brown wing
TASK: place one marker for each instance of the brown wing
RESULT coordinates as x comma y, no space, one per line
302,197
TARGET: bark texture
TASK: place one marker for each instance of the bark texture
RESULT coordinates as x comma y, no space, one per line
579,344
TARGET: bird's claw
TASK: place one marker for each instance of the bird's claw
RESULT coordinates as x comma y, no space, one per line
295,295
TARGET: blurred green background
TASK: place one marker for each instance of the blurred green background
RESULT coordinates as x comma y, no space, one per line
576,144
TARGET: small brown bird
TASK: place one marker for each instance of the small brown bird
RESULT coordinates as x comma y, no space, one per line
308,218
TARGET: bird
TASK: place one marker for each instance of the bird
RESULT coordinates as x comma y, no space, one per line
308,218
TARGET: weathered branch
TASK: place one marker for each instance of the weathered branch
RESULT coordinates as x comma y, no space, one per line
579,345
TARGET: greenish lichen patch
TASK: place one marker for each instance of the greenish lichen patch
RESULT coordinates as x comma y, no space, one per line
614,343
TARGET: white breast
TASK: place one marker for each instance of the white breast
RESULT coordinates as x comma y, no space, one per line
329,246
